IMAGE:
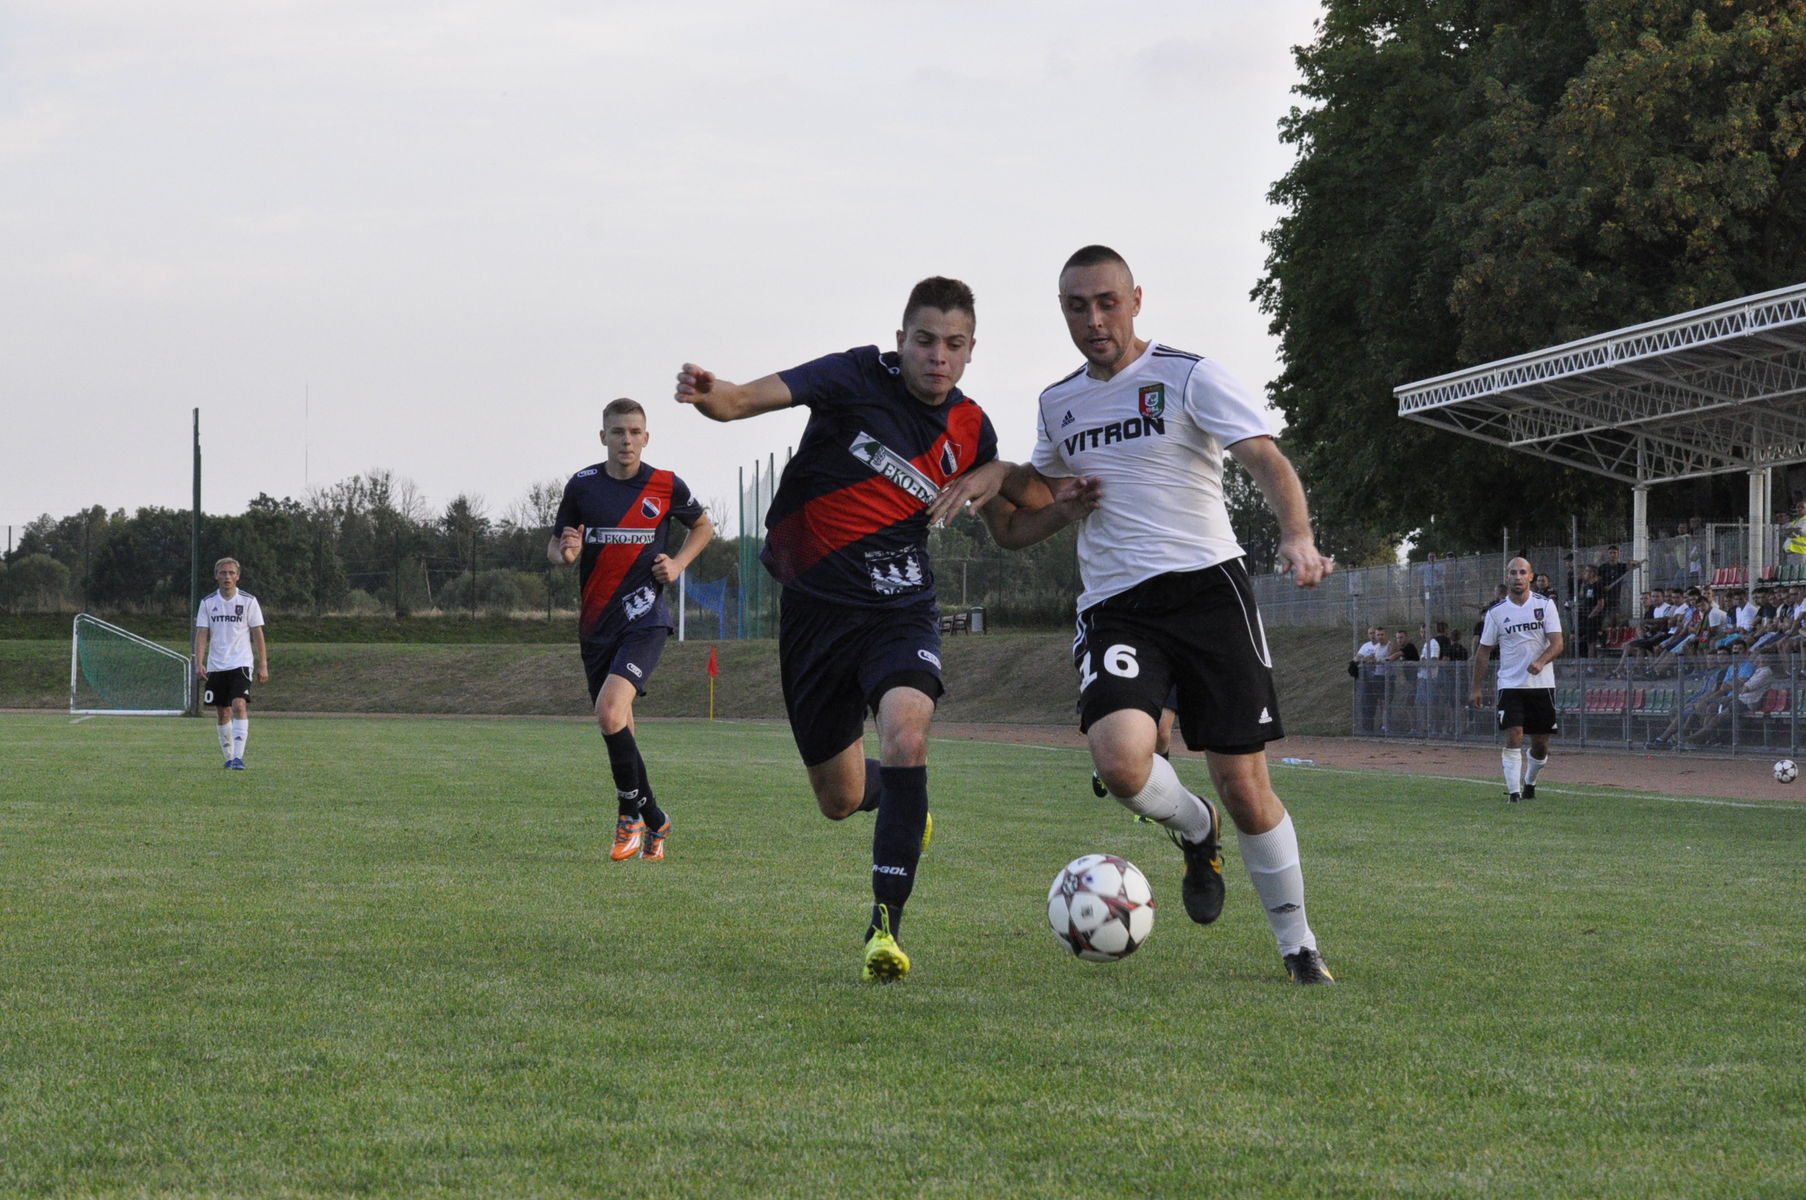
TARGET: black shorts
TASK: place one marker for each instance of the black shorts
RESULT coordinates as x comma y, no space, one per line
837,662
223,687
1529,709
633,656
1196,633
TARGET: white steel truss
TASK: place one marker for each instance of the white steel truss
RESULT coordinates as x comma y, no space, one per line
1715,390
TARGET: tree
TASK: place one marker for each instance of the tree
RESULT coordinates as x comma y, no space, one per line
1482,178
34,583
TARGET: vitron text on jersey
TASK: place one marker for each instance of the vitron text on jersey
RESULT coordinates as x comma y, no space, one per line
1115,431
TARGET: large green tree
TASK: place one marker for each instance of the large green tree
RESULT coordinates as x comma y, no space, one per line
1481,178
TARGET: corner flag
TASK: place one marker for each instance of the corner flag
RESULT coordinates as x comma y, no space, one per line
714,673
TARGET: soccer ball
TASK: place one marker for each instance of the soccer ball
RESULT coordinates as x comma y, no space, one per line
1101,907
1785,771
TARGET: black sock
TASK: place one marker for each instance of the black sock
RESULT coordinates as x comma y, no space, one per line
890,914
624,762
655,816
874,786
897,840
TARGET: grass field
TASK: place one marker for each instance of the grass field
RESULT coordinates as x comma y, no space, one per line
393,959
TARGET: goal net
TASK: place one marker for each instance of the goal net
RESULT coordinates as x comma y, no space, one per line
112,670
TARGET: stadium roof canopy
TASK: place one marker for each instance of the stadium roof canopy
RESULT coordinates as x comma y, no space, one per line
1716,390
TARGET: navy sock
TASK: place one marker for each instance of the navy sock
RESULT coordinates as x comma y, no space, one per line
897,840
874,786
624,763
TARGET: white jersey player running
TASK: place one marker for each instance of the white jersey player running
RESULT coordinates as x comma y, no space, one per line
1132,444
1526,627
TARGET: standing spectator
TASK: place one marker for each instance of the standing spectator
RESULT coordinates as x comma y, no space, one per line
1587,609
1611,583
1428,666
1793,537
1370,685
1403,671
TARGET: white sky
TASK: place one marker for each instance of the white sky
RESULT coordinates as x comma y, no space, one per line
439,237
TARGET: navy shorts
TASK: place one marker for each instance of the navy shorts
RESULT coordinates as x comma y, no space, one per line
1193,633
633,656
223,687
837,662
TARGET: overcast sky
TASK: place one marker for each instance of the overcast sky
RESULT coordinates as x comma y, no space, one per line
438,237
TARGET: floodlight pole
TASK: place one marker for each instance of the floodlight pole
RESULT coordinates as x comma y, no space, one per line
194,554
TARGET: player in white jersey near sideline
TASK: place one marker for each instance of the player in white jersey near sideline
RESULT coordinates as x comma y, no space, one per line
228,641
1132,443
1526,627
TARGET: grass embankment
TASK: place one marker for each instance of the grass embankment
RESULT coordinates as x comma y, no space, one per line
1015,678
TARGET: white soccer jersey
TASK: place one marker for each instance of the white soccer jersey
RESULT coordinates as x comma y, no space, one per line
1521,632
228,624
1154,436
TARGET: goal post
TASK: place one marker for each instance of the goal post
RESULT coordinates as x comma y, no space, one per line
113,671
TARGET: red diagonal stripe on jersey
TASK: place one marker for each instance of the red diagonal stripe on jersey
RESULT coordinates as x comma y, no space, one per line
613,562
842,517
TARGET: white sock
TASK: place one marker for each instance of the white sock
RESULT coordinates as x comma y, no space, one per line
1513,762
1533,766
225,740
241,733
1272,862
1165,800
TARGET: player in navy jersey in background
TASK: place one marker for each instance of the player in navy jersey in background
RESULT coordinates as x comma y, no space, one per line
1526,627
616,517
1132,442
891,445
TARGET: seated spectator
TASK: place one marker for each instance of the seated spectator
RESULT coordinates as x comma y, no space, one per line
1656,629
1739,628
1754,678
1709,688
1687,629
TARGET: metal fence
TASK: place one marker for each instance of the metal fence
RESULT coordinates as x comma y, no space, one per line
1680,706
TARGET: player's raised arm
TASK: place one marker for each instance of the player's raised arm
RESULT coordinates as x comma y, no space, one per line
719,400
1278,482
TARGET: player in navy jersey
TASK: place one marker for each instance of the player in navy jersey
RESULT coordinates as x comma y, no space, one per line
616,518
891,445
1167,601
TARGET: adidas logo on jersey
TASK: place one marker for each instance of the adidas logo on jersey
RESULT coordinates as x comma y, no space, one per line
1067,420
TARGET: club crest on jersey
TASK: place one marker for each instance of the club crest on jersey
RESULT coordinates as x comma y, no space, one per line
1538,612
649,507
1152,400
950,458
894,467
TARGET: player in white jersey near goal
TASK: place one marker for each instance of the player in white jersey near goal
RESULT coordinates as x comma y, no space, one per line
1526,627
1136,437
228,643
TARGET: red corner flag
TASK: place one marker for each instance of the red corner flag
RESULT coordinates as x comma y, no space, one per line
714,664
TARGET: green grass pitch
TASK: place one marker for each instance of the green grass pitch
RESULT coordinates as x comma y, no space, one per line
393,959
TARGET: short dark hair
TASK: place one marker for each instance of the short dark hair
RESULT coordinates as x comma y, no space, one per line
623,405
1091,256
938,291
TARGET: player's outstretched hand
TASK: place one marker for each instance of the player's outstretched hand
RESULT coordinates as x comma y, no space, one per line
570,544
1081,494
693,383
1302,560
967,494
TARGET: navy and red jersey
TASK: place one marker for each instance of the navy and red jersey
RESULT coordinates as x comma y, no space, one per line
626,524
847,524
